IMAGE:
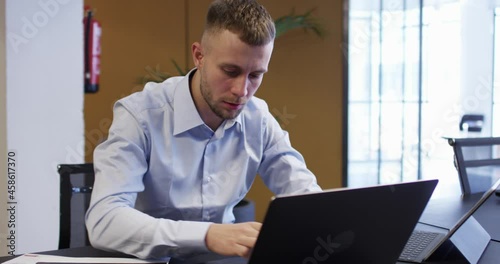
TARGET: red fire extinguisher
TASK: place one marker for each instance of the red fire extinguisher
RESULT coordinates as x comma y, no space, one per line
92,53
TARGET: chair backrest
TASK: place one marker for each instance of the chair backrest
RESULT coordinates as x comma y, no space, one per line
477,161
76,181
471,123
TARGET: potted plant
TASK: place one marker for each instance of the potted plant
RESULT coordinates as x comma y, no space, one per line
284,24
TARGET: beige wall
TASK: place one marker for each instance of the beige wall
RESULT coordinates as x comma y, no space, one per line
135,35
305,77
3,131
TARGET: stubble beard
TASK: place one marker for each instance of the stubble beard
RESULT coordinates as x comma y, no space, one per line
208,97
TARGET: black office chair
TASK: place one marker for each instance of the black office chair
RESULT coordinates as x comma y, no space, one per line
477,161
244,211
471,123
76,181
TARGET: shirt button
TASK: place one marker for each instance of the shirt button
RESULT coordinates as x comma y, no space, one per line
209,148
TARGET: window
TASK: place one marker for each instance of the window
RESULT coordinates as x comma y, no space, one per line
404,89
496,74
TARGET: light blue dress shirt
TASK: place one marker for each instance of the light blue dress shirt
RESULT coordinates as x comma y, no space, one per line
163,176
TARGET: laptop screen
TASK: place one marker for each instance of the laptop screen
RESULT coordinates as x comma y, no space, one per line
349,225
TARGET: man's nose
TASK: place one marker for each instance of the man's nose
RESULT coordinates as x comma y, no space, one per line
240,87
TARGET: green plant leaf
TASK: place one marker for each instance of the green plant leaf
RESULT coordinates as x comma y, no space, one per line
154,75
283,25
178,68
292,21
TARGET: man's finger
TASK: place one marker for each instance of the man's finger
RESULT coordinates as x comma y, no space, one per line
243,251
255,225
247,241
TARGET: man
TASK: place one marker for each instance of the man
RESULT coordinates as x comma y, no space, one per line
181,154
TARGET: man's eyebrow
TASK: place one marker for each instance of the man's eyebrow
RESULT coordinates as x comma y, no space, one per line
236,67
229,65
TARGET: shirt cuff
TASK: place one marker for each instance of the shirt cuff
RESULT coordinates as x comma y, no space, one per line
193,235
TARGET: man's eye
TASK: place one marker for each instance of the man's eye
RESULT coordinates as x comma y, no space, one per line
255,75
231,73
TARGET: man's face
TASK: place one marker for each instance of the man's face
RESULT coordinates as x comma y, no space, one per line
231,71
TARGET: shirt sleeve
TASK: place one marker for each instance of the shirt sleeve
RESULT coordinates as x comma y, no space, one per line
283,168
112,221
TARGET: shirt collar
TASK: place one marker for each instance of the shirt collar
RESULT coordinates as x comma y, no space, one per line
186,115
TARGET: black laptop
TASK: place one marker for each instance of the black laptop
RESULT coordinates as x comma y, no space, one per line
348,225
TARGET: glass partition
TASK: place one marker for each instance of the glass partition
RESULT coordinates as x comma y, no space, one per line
401,59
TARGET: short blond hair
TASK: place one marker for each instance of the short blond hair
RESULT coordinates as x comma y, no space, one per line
246,18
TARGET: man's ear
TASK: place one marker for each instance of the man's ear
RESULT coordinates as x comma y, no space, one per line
197,53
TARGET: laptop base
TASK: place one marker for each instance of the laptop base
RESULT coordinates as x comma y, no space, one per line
461,247
447,252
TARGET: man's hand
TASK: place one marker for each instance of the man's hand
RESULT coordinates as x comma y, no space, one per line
232,239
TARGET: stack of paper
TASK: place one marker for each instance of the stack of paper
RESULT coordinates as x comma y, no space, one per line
48,259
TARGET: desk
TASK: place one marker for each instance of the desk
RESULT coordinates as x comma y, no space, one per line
442,212
93,252
445,212
76,252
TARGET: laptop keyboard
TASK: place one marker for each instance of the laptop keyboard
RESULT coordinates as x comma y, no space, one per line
414,250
